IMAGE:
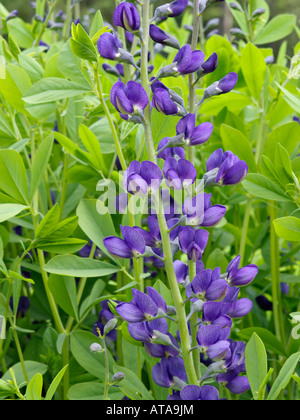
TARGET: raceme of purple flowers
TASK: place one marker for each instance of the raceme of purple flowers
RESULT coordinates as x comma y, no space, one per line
211,294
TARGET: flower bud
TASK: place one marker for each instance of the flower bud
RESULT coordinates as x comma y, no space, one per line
112,323
96,348
118,377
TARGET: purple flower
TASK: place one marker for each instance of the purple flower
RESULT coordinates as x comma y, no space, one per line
141,178
296,119
165,100
243,276
23,306
200,211
161,37
210,339
235,383
224,85
182,270
166,372
110,47
129,100
163,351
132,246
118,70
143,307
153,237
207,285
171,9
225,169
195,393
264,303
209,66
193,242
12,15
179,174
144,331
104,316
170,152
193,135
127,17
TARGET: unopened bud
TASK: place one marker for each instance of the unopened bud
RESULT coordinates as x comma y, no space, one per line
95,348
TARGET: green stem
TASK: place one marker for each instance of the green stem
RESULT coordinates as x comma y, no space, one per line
245,231
66,31
110,120
193,326
275,271
43,28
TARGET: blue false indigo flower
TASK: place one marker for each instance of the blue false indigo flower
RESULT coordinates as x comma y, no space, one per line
209,66
110,47
182,270
170,152
233,307
235,383
193,136
264,303
144,331
195,393
163,103
11,15
132,246
173,9
161,350
118,70
211,342
142,178
200,212
185,62
208,286
285,288
162,37
243,276
179,174
169,372
130,100
224,85
225,169
193,242
153,237
173,96
141,308
127,17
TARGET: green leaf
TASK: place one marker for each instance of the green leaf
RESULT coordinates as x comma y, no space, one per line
132,386
93,391
95,225
92,298
217,259
82,45
40,163
256,363
288,228
7,211
94,363
278,28
65,293
286,134
284,377
34,388
55,383
254,69
31,66
53,89
14,85
13,175
20,32
270,341
235,141
97,24
31,367
93,147
261,187
71,265
48,223
292,100
60,245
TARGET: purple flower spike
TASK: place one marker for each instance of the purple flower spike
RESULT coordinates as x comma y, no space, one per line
207,285
162,37
193,242
200,211
179,174
132,246
129,100
225,169
141,308
193,136
243,276
165,373
141,178
127,17
173,9
195,393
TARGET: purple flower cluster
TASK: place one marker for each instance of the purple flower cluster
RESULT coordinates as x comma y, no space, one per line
210,295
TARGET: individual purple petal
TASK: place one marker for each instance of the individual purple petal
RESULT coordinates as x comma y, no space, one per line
216,290
152,174
176,368
190,393
186,236
126,16
137,95
201,134
213,215
117,247
209,393
136,185
241,308
228,82
218,350
208,335
157,298
215,160
130,312
238,385
245,275
183,58
210,65
145,304
108,46
163,103
133,239
177,7
186,125
139,331
160,374
181,271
